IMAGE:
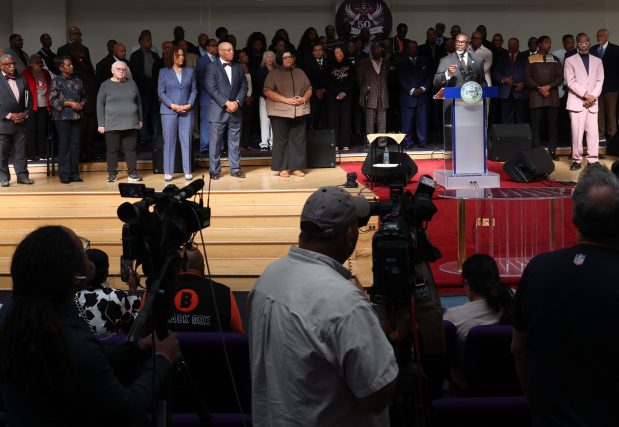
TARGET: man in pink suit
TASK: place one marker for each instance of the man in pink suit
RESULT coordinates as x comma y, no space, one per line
584,75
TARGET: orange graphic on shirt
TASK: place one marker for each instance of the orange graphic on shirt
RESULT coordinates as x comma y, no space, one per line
186,300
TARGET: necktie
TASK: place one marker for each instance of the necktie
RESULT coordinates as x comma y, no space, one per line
414,61
462,62
9,77
512,59
320,63
601,51
227,64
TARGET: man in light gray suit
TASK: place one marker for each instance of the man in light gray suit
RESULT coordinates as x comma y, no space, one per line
15,107
227,88
460,67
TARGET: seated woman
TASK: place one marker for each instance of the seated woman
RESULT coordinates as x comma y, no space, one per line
53,370
490,303
108,310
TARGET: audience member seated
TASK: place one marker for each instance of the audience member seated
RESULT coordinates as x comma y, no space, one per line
490,302
200,304
107,310
53,370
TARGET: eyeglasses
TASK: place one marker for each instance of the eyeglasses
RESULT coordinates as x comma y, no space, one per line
121,69
584,44
287,57
10,64
85,243
462,42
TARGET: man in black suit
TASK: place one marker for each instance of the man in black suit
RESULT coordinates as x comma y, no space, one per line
316,69
227,87
75,39
400,41
460,67
141,63
15,107
104,68
415,79
430,50
508,73
607,103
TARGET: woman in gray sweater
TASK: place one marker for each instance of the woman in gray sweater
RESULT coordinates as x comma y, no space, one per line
119,114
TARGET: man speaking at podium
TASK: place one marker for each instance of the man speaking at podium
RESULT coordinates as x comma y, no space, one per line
460,67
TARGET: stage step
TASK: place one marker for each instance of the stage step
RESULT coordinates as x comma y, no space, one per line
252,224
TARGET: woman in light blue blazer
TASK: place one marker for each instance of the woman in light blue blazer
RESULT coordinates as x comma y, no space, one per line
177,92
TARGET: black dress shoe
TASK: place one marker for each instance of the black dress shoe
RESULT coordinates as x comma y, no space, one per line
239,174
78,179
4,183
215,176
554,156
575,166
65,181
27,181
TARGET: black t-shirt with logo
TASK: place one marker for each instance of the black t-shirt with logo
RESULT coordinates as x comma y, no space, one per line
193,305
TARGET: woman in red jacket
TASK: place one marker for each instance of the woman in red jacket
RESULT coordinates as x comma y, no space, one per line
38,79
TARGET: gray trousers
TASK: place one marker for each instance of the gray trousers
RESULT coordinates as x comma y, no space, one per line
16,144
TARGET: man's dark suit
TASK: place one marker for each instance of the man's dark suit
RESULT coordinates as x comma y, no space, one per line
474,71
317,76
221,90
433,56
145,87
12,135
414,73
65,50
607,103
514,104
204,99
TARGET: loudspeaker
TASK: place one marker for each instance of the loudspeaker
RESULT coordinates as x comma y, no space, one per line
505,140
612,146
405,170
530,165
320,148
158,156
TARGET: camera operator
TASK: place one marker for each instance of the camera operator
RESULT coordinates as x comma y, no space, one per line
318,354
53,370
200,304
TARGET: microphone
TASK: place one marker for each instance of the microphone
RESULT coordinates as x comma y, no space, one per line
189,190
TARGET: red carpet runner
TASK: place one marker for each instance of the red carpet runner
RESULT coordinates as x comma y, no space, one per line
442,228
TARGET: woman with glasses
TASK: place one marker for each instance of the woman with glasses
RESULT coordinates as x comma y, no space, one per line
119,114
67,98
53,370
288,91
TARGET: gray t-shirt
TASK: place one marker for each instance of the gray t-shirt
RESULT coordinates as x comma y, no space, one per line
316,346
118,105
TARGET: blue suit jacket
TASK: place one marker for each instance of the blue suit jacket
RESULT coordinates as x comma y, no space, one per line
221,91
172,92
409,76
503,68
203,64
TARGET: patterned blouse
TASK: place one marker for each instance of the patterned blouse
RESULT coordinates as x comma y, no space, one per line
108,310
66,89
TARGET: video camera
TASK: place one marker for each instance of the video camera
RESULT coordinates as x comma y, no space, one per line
159,223
401,242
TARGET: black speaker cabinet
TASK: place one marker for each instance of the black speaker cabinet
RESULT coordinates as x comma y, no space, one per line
158,156
403,173
320,148
505,140
530,165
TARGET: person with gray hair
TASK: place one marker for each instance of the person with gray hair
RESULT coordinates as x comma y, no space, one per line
318,352
119,116
566,322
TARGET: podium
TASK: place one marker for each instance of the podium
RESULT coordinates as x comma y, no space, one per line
464,133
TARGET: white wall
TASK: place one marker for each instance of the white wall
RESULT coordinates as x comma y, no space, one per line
123,21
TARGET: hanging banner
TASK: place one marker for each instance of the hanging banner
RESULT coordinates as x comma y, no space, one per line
374,15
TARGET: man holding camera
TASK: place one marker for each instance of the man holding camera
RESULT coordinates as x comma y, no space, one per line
318,352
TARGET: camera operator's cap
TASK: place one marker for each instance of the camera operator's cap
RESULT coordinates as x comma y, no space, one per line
332,208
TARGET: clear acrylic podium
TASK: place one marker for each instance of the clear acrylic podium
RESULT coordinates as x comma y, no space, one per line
464,133
510,224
